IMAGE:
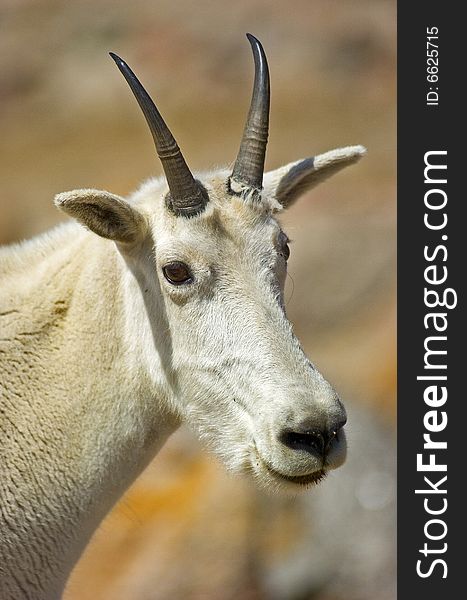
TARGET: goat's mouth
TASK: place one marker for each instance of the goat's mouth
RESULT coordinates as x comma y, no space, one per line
306,480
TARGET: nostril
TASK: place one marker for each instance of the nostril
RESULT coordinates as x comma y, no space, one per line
335,427
333,432
312,440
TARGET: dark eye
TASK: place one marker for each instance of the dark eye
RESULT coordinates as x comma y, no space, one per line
177,273
284,245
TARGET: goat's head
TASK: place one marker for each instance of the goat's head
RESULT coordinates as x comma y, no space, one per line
210,259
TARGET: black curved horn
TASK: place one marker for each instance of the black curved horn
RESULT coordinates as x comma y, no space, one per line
187,197
249,166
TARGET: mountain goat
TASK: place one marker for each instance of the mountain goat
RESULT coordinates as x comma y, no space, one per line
166,307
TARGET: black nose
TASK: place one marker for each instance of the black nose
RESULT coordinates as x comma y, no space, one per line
311,439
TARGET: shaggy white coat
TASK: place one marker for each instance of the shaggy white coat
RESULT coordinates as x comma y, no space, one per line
102,358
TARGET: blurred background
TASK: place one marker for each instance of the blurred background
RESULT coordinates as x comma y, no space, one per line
186,529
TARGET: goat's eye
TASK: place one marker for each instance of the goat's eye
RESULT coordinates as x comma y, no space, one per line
284,245
177,273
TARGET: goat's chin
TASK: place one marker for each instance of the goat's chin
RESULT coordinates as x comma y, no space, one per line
271,479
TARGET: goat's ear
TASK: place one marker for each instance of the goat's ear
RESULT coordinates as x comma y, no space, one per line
288,183
103,213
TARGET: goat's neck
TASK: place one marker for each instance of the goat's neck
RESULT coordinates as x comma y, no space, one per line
90,415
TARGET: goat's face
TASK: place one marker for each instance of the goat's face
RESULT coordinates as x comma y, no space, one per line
240,376
215,266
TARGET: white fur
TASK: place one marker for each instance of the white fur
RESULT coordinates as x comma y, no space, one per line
102,358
